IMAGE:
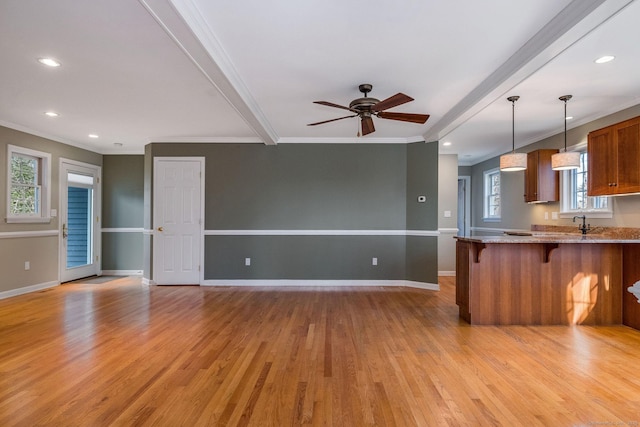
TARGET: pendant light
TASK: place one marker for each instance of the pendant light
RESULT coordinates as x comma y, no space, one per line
513,161
566,160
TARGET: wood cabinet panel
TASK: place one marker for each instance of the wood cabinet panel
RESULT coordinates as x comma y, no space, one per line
628,137
614,159
630,274
541,183
528,284
463,251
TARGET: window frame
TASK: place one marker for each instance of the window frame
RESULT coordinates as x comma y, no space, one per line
566,189
486,194
44,202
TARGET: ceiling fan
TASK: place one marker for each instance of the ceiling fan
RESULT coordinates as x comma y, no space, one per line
366,107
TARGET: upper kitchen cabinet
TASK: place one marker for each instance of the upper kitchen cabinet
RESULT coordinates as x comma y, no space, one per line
614,159
540,181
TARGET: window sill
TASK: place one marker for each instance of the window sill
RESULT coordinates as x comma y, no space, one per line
588,214
34,220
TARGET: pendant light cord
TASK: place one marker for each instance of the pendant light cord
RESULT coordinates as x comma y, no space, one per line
513,100
565,98
565,125
513,126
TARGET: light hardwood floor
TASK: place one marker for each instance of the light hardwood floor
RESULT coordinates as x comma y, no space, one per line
119,353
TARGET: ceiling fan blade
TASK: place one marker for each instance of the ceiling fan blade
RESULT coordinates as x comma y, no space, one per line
332,120
404,117
367,125
331,104
393,101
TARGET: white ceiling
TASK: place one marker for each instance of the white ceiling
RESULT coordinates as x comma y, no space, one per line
249,71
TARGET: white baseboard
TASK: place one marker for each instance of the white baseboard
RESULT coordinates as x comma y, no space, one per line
446,273
147,282
28,289
122,272
337,283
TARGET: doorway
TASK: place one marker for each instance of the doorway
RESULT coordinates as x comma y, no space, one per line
79,220
178,212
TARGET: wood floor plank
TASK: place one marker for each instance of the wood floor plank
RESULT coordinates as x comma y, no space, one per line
121,353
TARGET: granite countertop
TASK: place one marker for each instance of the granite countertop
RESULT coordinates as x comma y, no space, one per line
541,233
550,237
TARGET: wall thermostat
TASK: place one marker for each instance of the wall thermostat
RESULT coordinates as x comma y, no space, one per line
422,199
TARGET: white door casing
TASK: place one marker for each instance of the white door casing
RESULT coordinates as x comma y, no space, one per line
178,209
94,262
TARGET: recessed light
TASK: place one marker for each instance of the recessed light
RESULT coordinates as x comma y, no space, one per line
118,144
50,62
52,114
569,118
93,135
604,59
446,144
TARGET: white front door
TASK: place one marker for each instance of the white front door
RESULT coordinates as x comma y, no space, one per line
79,220
177,220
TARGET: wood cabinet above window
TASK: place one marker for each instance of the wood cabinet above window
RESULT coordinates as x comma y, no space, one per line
614,159
541,183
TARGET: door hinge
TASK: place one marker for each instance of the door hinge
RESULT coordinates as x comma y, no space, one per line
97,258
198,268
97,219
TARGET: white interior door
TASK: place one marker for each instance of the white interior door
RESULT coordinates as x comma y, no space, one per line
79,220
177,219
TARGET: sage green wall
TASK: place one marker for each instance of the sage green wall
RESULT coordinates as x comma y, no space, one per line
123,193
314,187
518,215
41,252
422,180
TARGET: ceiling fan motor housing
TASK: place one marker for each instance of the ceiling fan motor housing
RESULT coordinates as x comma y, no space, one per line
363,104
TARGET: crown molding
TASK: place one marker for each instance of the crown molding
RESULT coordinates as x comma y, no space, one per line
348,140
206,140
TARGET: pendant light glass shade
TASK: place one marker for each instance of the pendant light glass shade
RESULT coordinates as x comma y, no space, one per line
565,160
513,161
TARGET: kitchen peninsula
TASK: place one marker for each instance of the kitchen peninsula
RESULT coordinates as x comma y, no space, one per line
548,278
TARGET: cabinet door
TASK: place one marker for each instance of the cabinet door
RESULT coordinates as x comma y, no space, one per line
541,183
628,139
602,163
531,178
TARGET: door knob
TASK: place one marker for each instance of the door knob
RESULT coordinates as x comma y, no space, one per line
160,229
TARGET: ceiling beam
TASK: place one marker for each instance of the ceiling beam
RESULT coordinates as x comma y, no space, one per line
184,24
569,26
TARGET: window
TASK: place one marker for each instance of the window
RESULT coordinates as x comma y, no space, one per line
28,185
492,195
574,199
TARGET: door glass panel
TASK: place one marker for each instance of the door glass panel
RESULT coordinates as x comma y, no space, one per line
79,228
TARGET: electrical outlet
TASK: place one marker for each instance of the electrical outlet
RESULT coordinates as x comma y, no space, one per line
27,265
554,215
374,261
247,261
546,214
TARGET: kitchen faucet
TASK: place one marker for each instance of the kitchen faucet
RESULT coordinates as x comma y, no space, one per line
584,227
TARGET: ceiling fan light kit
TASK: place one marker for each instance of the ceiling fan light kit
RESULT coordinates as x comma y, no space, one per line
567,160
513,161
367,107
